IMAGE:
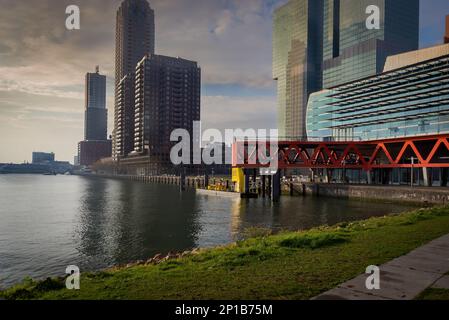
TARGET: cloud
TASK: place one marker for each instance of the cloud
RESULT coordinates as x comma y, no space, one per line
224,112
38,52
37,122
43,65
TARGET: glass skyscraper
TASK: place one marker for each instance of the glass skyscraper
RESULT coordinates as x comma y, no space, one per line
325,43
297,58
351,51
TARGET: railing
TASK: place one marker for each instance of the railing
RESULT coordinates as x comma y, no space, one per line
408,152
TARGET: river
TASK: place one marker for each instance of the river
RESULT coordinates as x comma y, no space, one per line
50,222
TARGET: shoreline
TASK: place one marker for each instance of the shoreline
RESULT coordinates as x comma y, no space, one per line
253,253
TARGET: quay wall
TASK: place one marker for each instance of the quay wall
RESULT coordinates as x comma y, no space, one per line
389,193
417,195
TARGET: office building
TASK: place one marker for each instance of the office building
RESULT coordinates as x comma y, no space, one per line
168,94
410,98
96,144
297,61
351,50
43,157
135,37
96,114
321,44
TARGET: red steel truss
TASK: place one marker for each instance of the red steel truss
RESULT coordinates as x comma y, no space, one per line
416,152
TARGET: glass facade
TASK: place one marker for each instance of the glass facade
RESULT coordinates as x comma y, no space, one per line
297,58
412,100
324,43
352,51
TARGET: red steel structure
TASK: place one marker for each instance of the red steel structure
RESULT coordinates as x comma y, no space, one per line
408,152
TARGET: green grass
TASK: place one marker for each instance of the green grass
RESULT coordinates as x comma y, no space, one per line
293,265
434,294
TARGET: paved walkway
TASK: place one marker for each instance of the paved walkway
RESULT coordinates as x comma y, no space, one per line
403,278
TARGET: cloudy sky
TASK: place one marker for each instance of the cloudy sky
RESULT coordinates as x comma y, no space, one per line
42,65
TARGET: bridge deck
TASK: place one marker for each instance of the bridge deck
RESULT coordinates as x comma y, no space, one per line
408,152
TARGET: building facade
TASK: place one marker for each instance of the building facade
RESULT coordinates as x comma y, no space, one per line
410,98
96,114
297,60
168,97
42,157
321,44
124,117
95,145
92,151
351,51
135,37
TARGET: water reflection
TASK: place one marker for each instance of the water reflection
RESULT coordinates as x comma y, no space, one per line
48,223
121,221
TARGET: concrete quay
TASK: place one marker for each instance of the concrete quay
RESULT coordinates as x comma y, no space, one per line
389,193
406,194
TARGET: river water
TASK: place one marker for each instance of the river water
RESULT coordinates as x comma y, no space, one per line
50,222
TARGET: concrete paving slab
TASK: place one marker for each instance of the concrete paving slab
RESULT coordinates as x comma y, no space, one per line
428,262
442,252
442,283
395,283
345,294
403,278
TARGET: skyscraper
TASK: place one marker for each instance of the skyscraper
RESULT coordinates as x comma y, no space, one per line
96,114
135,37
324,43
353,51
96,144
168,94
297,61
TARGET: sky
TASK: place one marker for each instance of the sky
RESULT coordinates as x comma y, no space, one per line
43,65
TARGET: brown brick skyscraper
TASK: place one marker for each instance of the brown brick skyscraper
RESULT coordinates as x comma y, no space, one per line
134,37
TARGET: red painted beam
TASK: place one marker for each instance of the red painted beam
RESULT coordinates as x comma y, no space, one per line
344,155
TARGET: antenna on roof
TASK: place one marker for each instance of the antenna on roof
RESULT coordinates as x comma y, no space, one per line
97,69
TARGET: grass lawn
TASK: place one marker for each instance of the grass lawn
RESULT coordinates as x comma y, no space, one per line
284,266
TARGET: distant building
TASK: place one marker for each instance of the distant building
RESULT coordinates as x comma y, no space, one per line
135,37
168,94
96,144
92,151
25,168
43,157
96,114
223,165
76,161
43,163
